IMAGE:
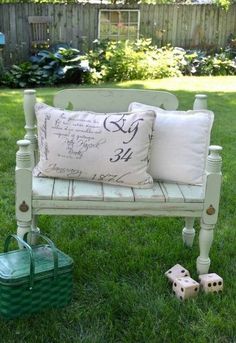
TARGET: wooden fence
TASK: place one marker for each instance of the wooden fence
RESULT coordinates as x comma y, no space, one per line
180,25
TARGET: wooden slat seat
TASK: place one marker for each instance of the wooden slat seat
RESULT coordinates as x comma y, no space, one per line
56,189
72,196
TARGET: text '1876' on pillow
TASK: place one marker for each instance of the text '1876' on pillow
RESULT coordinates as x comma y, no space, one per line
103,147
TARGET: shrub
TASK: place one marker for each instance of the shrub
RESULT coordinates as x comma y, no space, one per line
48,68
120,61
25,74
200,63
231,46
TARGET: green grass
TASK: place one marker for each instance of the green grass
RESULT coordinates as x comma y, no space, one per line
120,292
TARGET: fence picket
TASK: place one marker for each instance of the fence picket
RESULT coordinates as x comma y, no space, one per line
181,25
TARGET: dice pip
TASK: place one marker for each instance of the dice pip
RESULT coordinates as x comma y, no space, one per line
176,272
185,287
211,283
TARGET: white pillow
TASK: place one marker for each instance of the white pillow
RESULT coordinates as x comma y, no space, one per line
180,144
106,147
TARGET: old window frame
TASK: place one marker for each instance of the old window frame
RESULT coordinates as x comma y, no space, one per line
120,25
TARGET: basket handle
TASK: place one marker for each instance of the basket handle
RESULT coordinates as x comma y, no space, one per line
28,248
52,246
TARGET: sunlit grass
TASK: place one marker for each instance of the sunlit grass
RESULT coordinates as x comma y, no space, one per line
187,83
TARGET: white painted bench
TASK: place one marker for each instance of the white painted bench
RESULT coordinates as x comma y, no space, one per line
35,195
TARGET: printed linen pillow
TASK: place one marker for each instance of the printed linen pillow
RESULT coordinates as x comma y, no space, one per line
106,147
180,144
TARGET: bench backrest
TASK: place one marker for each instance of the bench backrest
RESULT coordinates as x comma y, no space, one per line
94,99
112,99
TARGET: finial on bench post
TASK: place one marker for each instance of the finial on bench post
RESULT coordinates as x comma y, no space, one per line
30,120
214,160
23,155
210,208
200,102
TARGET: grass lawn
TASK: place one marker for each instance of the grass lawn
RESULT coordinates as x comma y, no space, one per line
120,292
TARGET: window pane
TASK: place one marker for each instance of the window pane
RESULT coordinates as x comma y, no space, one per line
133,30
104,16
104,28
103,36
114,29
123,37
134,16
119,25
124,17
114,17
123,30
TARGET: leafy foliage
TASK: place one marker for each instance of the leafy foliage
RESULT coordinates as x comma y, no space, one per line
200,63
231,46
117,61
48,68
121,61
25,74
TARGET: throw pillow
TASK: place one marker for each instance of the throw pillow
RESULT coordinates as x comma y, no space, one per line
180,144
106,147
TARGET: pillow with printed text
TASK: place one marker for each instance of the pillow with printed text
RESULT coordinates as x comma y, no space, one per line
104,147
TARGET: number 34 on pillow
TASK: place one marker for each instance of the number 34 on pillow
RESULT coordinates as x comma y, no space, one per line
82,144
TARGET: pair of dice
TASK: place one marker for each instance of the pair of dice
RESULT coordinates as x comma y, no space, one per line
185,287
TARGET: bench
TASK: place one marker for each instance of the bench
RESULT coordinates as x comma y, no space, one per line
54,196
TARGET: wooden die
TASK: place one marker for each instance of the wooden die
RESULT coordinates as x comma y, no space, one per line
211,283
176,272
185,288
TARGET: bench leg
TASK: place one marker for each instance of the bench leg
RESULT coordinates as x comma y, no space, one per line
205,242
34,227
22,228
188,232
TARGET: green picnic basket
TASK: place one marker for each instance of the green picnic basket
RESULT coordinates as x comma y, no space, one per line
33,278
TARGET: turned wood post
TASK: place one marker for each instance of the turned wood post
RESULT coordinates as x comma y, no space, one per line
30,122
26,221
23,174
200,102
211,207
188,232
